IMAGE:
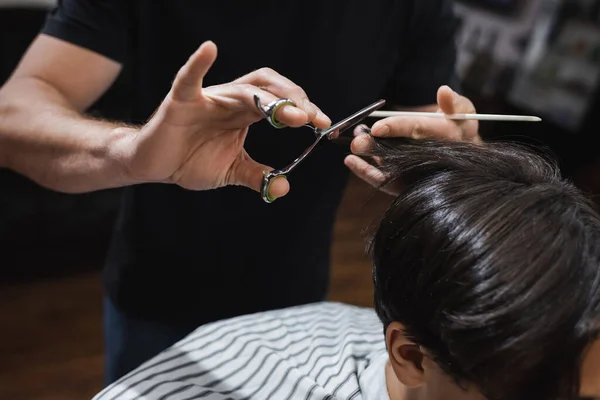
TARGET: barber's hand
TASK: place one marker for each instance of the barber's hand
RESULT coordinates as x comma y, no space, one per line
195,139
449,102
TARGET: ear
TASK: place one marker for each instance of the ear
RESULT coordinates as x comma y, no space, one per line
590,372
406,357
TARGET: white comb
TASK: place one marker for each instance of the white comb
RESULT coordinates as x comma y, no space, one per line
476,117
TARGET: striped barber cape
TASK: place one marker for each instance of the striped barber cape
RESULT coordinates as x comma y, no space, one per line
317,351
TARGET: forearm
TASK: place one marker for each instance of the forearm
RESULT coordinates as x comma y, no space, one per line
45,139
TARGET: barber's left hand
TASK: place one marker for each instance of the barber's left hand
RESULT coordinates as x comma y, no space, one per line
449,102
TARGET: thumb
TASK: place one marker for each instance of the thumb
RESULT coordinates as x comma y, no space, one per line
249,173
188,82
446,99
451,102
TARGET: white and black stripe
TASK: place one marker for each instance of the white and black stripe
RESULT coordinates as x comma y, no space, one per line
317,351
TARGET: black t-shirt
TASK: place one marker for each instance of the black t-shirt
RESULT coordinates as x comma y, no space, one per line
195,257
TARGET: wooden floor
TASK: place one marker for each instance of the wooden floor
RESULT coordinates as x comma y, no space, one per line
51,337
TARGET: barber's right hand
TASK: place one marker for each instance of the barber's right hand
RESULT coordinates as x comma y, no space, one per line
195,138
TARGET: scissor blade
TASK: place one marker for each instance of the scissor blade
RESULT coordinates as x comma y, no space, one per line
335,130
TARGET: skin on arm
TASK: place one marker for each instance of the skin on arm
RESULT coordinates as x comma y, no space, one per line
194,139
43,133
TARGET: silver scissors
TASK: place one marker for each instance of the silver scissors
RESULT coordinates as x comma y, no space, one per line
331,133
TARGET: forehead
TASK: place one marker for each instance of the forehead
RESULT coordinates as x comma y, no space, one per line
590,372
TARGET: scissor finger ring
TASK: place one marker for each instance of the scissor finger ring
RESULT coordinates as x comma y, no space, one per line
269,111
268,177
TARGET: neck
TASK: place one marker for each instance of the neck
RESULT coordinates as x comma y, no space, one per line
396,390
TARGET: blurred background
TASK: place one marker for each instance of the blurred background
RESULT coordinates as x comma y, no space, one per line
537,57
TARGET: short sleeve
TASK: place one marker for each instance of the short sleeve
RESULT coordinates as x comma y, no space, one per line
429,59
101,26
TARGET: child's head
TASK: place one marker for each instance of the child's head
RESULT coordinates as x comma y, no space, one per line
487,274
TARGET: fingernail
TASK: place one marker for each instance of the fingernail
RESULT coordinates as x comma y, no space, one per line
361,144
380,130
350,162
325,117
364,140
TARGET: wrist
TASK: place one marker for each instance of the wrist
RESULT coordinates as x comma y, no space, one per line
120,150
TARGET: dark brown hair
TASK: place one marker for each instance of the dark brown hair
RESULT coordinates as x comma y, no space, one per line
492,262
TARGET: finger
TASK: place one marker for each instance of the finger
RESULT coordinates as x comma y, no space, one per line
321,116
365,171
362,144
279,187
240,98
451,102
288,115
361,130
283,87
417,128
249,173
188,82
